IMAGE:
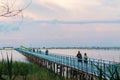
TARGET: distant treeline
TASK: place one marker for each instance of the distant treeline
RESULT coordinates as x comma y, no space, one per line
82,48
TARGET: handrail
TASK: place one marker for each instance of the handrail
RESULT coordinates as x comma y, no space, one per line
72,61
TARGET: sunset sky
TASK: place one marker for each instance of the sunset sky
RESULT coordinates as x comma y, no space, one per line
63,23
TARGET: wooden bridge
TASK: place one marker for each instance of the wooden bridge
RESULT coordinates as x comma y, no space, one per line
68,66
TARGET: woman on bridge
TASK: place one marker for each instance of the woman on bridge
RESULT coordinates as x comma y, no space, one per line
46,52
85,58
79,56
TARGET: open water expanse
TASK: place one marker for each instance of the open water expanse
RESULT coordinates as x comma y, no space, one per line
16,56
108,54
105,54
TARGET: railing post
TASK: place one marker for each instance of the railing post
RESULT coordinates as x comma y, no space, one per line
104,70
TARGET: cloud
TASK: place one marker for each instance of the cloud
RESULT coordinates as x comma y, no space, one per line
76,10
6,27
57,30
15,26
57,34
63,22
71,10
76,22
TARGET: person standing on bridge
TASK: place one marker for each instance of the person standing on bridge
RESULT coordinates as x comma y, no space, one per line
85,58
46,52
79,56
33,49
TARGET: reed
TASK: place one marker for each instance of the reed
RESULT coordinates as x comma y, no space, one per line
11,70
101,73
113,73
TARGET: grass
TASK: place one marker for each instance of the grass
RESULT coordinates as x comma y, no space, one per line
11,70
25,71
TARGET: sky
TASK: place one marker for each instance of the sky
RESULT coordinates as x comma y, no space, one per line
62,23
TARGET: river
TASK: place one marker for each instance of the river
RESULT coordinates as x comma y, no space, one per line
108,54
16,56
104,54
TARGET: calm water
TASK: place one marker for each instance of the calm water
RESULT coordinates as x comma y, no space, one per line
16,56
111,54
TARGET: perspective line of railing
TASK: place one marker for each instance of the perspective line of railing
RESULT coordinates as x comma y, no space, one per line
72,61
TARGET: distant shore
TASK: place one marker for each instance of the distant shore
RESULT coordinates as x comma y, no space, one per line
82,48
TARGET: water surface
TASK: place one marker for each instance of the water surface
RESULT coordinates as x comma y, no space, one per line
105,54
16,56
